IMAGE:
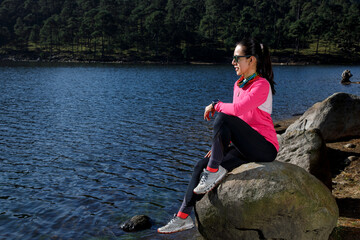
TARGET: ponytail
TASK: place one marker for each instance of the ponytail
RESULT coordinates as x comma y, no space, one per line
262,54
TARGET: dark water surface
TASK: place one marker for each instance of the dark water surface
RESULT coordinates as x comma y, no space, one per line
83,147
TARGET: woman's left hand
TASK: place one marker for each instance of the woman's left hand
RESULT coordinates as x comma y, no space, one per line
209,109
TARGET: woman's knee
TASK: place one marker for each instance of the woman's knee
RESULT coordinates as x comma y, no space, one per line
219,119
223,119
219,122
221,127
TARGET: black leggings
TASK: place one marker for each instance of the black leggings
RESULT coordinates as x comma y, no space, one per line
247,145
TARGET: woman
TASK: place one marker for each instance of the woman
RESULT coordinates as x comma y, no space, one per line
243,130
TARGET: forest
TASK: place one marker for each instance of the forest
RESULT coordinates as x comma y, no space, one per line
176,30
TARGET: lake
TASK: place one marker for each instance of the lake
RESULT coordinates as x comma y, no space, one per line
84,147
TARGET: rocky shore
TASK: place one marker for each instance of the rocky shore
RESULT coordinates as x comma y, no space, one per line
345,156
344,159
345,186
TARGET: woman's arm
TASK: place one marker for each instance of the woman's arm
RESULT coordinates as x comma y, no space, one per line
249,100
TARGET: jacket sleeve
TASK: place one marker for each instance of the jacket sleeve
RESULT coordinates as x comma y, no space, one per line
249,100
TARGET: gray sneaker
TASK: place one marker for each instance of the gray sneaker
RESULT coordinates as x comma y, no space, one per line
177,225
209,180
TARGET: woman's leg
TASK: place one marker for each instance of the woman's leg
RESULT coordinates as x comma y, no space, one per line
190,198
252,145
249,145
233,158
182,221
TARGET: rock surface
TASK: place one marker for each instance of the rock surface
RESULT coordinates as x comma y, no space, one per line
345,76
337,117
306,149
267,201
136,223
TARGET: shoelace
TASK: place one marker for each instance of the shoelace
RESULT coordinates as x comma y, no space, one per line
204,177
172,220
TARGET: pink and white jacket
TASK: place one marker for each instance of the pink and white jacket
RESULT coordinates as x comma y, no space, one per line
253,104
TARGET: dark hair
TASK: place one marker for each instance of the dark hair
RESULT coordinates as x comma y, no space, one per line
261,52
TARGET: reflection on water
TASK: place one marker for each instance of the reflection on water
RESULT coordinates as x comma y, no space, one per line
85,147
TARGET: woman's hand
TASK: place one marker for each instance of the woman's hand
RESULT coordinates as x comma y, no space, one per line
209,109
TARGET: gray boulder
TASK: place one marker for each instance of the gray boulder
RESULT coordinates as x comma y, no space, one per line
267,201
307,150
337,117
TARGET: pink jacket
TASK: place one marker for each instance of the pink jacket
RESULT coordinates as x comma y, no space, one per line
253,104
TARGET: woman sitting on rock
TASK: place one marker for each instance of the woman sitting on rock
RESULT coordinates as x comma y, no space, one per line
243,130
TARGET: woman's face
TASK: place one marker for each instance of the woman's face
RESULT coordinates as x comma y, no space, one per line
243,64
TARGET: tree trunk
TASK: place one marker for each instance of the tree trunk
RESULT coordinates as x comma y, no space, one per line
95,49
102,47
51,43
317,44
297,44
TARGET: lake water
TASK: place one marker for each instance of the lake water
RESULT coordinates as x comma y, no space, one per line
83,147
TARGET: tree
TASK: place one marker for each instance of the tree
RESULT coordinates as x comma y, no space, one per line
211,21
104,26
4,36
153,24
21,31
297,26
87,27
49,32
35,34
348,34
184,29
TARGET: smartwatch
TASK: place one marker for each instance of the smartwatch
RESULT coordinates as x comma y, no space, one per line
214,102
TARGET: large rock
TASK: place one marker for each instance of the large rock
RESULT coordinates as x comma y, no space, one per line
307,150
337,117
268,201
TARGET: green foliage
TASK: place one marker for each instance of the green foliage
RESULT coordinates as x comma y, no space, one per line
177,29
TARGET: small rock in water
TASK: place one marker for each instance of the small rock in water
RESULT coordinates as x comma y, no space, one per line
136,223
345,77
350,145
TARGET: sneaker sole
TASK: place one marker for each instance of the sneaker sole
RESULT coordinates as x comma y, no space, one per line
216,183
180,230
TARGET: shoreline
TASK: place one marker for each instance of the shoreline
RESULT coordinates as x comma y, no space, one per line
9,61
277,60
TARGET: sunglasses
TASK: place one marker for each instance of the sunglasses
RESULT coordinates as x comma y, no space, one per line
236,58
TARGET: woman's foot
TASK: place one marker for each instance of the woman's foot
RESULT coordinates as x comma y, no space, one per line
177,224
209,180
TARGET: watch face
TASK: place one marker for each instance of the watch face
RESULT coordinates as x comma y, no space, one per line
214,102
